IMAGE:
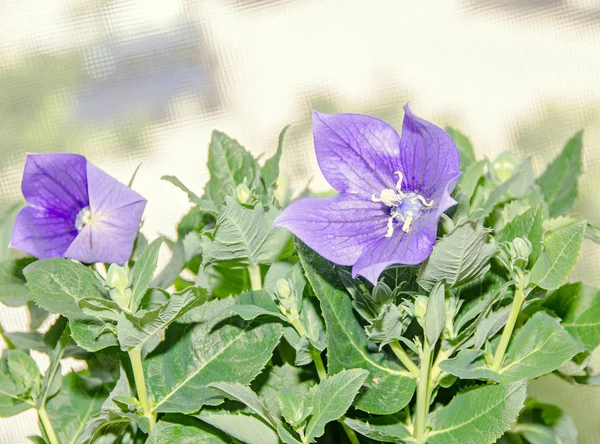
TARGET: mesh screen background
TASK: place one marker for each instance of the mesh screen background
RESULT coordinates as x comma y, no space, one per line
126,81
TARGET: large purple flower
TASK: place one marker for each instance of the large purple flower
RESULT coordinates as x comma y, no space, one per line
75,210
392,191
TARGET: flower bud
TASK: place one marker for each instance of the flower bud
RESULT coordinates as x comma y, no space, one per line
382,293
243,193
283,289
521,248
117,278
421,306
123,299
505,165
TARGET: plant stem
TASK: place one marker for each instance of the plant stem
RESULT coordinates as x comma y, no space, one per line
423,394
135,355
509,327
50,433
404,358
350,433
255,278
319,364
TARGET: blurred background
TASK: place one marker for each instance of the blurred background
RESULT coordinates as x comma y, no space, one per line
145,81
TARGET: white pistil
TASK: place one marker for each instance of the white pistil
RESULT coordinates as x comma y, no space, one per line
395,199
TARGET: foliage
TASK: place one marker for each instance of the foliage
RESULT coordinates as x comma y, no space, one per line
247,337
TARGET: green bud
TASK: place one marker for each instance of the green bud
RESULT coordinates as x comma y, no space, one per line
283,288
123,299
243,193
421,306
504,166
382,293
521,248
117,278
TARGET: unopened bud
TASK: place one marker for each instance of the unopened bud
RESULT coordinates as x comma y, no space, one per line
521,248
504,166
382,293
421,306
117,278
243,193
283,288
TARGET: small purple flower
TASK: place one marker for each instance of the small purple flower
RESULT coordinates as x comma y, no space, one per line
392,192
75,210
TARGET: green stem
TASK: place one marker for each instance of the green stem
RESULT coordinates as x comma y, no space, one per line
350,433
509,327
404,358
319,364
135,355
423,394
50,433
255,277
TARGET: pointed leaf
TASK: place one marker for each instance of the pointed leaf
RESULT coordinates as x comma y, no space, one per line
380,428
142,272
245,395
57,285
270,169
245,428
460,257
133,331
180,429
389,387
203,204
479,415
331,398
561,250
465,148
528,225
215,346
540,347
435,315
246,236
559,181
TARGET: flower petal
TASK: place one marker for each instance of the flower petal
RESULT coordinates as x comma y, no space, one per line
357,154
42,233
428,156
338,228
402,248
57,182
116,214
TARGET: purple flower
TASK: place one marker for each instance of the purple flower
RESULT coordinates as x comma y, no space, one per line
75,210
392,192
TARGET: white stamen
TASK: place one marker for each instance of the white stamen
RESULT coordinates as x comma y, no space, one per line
407,222
424,201
390,227
399,183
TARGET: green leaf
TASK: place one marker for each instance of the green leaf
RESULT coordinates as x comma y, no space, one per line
465,148
561,250
104,309
528,225
57,285
458,258
559,182
245,428
435,315
93,335
469,364
479,415
109,424
252,304
586,328
540,347
245,395
56,340
470,179
246,236
209,349
229,164
269,383
74,404
330,399
7,222
202,204
133,331
24,372
380,428
143,271
389,387
12,282
270,169
292,406
180,429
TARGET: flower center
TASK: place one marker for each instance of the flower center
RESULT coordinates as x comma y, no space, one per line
405,207
84,217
